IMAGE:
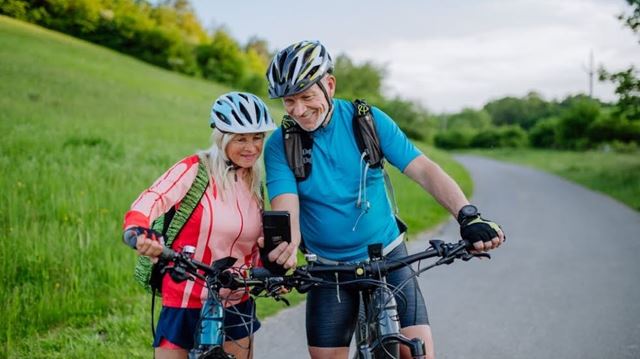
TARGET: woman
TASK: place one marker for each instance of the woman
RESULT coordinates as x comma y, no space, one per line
226,222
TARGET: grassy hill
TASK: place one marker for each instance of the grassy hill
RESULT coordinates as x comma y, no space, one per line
83,131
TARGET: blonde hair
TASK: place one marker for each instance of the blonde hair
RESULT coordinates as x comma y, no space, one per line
219,165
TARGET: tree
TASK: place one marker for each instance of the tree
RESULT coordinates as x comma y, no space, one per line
358,81
468,118
524,111
410,117
260,47
575,122
544,133
627,82
632,21
222,60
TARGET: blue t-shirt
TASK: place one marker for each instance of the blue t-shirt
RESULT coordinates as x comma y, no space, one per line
331,224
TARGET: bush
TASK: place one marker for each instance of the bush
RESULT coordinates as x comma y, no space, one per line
504,136
614,128
574,124
487,138
222,60
164,34
624,147
544,133
454,139
513,136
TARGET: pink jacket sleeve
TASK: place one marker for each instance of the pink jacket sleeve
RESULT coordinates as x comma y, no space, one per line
165,192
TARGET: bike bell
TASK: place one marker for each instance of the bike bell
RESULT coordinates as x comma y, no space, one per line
189,251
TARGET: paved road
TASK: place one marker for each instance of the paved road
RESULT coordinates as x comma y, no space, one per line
565,285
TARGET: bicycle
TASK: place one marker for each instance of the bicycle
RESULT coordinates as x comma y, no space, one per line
210,336
377,330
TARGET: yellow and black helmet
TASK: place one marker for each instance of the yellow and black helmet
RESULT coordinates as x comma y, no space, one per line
297,67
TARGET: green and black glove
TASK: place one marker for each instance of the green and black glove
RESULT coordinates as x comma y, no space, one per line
474,228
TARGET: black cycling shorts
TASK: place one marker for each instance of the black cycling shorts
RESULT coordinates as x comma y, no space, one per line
331,323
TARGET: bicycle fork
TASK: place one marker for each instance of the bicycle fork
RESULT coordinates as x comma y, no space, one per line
210,336
378,328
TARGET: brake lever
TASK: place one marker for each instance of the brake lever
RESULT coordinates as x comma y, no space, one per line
256,290
467,256
275,294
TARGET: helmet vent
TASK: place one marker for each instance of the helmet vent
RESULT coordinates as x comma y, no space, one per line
246,115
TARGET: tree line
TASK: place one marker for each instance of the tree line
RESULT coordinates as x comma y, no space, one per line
168,34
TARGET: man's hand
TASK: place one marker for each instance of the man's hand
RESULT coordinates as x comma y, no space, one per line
483,233
284,254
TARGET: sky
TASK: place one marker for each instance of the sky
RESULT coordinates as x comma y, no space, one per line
449,55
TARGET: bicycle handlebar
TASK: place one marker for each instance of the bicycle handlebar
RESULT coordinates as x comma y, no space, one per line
302,277
448,252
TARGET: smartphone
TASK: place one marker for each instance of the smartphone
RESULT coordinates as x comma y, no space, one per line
277,229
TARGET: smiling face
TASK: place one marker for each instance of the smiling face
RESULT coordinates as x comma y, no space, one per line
245,149
308,108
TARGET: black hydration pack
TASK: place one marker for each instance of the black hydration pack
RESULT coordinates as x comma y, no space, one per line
298,143
298,146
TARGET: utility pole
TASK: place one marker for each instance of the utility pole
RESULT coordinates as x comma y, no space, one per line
590,72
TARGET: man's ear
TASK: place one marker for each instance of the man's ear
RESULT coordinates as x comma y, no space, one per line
331,85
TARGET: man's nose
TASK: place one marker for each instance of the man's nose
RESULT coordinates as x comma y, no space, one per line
298,109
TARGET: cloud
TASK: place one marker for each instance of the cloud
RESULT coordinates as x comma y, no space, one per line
458,53
548,52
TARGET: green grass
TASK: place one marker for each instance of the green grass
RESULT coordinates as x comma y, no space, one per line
83,131
614,174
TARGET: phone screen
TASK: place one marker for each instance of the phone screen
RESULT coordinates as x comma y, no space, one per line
277,229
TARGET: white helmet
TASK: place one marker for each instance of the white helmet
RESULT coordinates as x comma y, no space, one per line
297,68
240,112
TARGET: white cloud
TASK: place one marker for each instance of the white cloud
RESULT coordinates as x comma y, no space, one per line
457,53
549,55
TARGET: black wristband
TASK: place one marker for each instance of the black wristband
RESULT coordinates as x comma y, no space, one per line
466,213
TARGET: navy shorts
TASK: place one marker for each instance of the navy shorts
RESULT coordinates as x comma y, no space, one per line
179,325
331,323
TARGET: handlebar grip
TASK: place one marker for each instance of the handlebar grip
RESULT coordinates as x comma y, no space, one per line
261,273
130,238
168,254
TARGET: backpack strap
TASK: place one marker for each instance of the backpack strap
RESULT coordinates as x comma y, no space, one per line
188,204
364,131
366,135
298,144
171,224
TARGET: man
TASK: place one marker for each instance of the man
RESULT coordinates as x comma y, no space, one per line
341,206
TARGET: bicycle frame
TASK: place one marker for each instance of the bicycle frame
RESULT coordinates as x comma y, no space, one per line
378,327
210,337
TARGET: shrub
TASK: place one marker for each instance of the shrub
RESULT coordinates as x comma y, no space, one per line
454,139
544,133
504,136
574,124
513,136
